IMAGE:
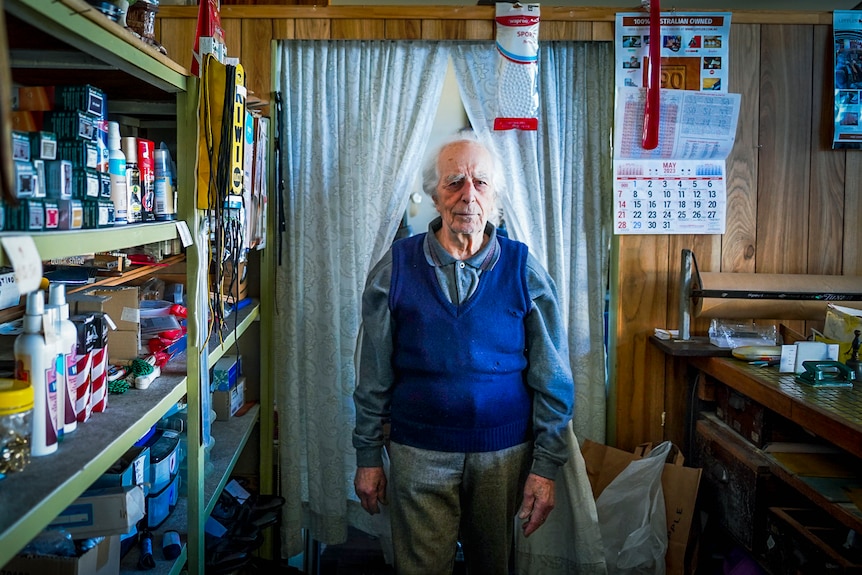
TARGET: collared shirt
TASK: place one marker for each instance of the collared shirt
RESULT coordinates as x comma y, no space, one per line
548,375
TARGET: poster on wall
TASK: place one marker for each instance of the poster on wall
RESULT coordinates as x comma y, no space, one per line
694,50
678,187
847,40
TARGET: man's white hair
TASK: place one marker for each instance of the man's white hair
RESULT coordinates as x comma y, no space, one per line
431,175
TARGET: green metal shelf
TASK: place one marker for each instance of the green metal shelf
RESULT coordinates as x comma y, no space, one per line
244,319
30,499
80,25
59,244
230,439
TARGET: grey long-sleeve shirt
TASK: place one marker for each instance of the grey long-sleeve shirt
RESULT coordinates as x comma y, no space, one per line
548,373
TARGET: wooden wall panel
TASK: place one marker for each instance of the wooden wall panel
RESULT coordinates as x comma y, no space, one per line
284,29
404,29
852,245
826,211
365,29
740,237
785,152
642,284
257,47
177,35
312,29
444,29
479,30
233,38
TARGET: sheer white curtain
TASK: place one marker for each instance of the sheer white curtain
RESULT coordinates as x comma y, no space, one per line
559,190
356,118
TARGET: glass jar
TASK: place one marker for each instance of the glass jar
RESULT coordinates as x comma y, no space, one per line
141,17
16,416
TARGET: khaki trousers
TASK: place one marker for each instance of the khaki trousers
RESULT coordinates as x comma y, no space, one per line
437,497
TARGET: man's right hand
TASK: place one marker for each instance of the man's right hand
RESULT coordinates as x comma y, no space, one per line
370,486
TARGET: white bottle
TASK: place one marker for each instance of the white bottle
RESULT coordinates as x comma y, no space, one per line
68,346
117,171
34,363
52,339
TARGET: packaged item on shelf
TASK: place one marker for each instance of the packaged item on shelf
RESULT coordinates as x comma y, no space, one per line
129,146
52,214
24,179
27,216
132,468
68,344
16,425
101,559
164,458
146,165
71,124
82,153
58,179
160,504
85,324
9,293
81,97
20,146
227,403
35,364
117,174
71,214
102,511
43,145
226,372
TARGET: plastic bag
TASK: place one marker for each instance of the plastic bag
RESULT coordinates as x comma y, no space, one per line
632,516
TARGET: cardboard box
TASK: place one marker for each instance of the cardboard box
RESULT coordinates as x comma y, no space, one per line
123,346
679,485
121,303
102,511
103,559
226,372
10,296
226,403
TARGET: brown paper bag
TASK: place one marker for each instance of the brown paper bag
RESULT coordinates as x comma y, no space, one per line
679,485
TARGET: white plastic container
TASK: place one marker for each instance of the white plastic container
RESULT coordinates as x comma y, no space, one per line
35,363
68,345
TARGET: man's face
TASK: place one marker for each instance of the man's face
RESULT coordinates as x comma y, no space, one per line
466,197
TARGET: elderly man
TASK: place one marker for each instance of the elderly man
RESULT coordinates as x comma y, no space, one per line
464,353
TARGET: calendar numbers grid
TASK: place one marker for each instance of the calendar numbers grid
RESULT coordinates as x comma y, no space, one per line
669,197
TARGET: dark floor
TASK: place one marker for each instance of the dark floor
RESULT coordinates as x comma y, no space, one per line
360,555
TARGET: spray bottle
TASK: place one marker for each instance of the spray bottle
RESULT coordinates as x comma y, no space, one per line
67,344
117,171
35,364
129,145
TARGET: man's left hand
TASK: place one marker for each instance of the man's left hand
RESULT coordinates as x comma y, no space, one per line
538,503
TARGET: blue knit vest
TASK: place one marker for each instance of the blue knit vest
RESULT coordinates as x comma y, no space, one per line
459,383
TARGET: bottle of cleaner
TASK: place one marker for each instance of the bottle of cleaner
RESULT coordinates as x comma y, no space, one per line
68,345
129,145
117,171
35,364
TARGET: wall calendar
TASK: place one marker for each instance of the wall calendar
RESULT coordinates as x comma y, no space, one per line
669,197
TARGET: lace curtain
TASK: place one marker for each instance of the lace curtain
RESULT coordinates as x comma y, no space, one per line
356,118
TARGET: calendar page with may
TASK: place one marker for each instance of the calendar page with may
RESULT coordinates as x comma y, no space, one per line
677,187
